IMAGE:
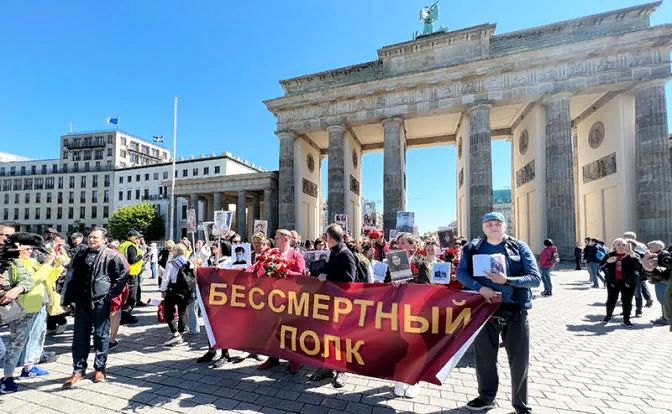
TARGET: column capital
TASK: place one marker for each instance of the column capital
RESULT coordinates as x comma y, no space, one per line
554,97
649,84
286,134
482,105
337,128
394,119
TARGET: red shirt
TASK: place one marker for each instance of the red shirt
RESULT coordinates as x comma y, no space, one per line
619,271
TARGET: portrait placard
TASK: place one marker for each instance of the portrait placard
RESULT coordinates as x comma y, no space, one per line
441,273
488,263
400,268
241,255
261,226
341,220
405,222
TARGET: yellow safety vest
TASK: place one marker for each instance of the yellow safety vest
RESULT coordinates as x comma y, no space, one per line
135,268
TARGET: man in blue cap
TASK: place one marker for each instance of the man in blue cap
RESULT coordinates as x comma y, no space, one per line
510,320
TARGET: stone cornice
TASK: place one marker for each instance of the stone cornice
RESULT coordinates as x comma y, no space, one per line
225,183
643,47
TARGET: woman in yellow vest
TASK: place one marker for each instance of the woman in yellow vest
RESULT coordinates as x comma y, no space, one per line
26,333
133,254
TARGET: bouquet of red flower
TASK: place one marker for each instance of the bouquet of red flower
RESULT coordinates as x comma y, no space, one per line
271,263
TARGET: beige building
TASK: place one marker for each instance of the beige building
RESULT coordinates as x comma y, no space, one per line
75,190
582,101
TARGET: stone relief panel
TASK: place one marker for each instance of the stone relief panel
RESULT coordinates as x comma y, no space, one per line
459,148
461,178
309,188
355,159
310,163
596,135
597,169
354,185
523,142
525,174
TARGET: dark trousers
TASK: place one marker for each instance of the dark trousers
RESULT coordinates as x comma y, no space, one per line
54,322
577,260
626,292
132,297
641,291
169,304
96,314
511,323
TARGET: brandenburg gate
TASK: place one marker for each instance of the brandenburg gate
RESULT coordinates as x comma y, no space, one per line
582,102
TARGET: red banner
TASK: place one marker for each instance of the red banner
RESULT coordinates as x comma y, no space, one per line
408,333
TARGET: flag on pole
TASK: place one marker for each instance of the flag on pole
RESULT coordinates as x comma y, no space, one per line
157,138
110,120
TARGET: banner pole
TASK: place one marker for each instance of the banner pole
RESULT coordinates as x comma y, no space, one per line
173,202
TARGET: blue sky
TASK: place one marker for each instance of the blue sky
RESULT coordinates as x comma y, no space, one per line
81,61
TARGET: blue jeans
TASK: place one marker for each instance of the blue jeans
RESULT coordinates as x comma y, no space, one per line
35,344
546,279
19,330
153,266
641,291
192,317
595,273
87,314
660,295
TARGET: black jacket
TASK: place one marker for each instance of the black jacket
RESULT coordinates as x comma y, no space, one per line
107,280
342,266
630,268
164,254
589,253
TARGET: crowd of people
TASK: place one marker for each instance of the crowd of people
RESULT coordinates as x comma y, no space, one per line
98,283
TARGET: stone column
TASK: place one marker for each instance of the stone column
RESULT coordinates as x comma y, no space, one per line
394,170
256,208
217,201
271,210
241,225
512,226
336,171
575,171
560,205
480,166
286,181
653,171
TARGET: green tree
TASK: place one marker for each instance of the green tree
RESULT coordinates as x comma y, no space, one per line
142,217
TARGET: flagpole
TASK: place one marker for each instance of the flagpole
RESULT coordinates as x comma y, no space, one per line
172,187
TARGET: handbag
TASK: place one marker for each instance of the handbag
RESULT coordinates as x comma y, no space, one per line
11,312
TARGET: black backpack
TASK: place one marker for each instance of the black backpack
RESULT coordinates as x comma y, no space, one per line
185,282
362,270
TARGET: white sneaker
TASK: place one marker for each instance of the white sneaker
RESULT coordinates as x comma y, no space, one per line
412,391
176,339
400,389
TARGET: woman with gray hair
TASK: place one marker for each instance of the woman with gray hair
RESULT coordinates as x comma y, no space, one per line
622,265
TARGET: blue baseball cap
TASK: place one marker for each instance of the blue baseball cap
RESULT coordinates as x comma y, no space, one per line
493,216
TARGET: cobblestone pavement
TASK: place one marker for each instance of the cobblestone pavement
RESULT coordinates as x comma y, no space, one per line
578,365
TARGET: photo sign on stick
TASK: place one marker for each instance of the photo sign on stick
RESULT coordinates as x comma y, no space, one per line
222,221
441,273
400,268
191,220
242,255
405,222
261,226
341,220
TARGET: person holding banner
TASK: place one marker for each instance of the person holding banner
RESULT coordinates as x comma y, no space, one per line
510,320
295,267
342,267
133,254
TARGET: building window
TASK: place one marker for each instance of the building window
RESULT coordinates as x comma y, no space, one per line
109,152
33,170
87,155
26,213
44,168
107,180
6,198
82,212
106,196
60,183
6,185
165,175
146,194
87,166
65,155
175,173
27,198
5,214
76,156
16,198
59,197
65,167
195,172
75,167
184,173
39,183
48,216
54,168
38,197
160,191
129,194
97,165
121,179
37,213
94,196
94,212
12,171
146,177
49,184
59,213
216,169
23,170
94,181
99,154
72,182
106,211
2,171
16,214
137,178
83,183
137,194
130,179
28,184
71,213
122,153
49,197
156,175
82,196
109,165
184,212
206,170
71,197
121,196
